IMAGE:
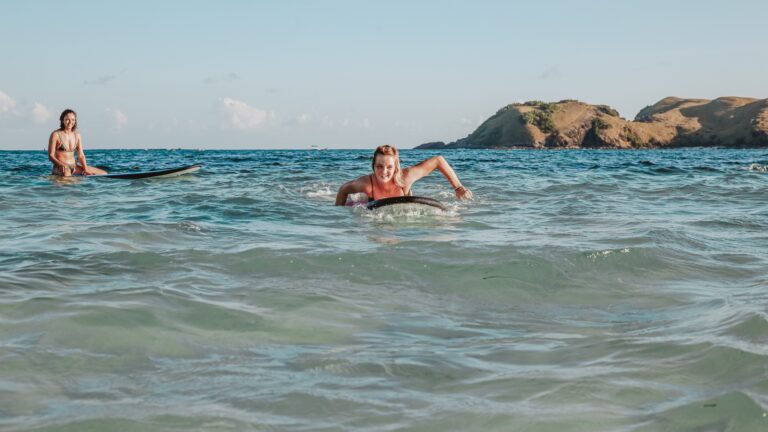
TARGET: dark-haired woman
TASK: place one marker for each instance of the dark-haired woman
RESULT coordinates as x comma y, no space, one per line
63,144
388,180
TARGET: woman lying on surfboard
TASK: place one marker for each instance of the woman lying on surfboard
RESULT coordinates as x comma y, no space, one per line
63,144
388,180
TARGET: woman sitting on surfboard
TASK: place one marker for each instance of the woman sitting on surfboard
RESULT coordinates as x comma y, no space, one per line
388,180
63,144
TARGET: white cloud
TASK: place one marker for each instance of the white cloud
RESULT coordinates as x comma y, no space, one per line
245,117
7,104
469,122
221,78
102,80
468,125
40,113
329,122
305,118
118,117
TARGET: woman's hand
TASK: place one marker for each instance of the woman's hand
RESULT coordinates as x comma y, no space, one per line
463,193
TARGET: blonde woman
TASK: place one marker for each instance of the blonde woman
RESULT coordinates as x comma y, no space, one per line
389,180
63,144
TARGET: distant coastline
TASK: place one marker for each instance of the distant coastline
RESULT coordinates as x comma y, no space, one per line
670,123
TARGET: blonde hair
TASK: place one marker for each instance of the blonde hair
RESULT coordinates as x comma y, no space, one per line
388,150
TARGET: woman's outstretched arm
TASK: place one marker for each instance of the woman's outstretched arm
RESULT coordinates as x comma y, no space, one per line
425,167
81,155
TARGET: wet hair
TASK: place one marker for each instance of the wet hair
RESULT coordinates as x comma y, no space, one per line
388,150
64,114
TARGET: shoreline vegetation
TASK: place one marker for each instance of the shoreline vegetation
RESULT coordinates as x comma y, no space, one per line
672,122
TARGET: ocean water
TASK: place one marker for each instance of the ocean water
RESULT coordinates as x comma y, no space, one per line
580,291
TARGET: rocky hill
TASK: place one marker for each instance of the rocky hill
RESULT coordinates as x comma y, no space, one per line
671,122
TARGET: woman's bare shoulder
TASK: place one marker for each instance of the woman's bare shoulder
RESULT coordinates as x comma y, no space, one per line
359,184
363,179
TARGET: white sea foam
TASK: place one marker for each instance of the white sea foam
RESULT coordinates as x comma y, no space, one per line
318,191
189,226
605,253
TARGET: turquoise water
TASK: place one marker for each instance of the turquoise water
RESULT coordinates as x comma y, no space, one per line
579,291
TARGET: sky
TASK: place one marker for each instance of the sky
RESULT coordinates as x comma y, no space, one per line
353,74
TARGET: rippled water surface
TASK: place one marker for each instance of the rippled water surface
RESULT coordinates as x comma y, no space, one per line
579,291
